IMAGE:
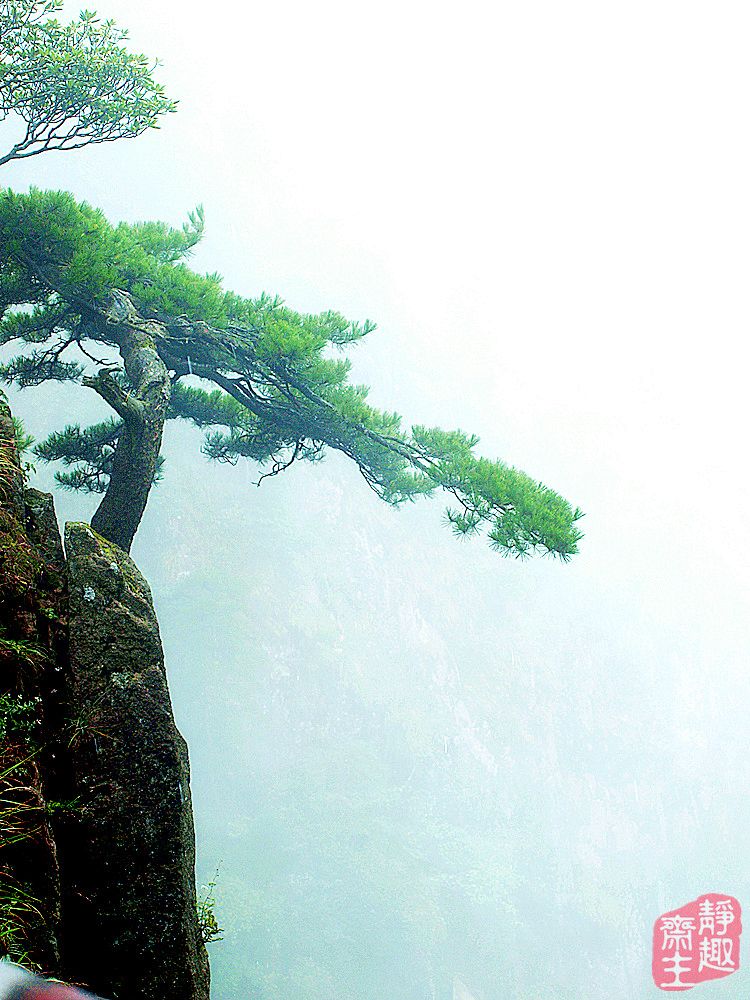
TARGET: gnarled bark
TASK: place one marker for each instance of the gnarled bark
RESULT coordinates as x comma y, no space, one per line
143,411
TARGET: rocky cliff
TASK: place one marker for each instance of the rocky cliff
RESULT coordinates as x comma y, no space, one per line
96,832
32,655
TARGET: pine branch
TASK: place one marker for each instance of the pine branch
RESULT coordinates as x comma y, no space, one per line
125,405
278,396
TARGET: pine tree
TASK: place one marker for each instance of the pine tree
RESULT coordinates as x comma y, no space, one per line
266,383
116,309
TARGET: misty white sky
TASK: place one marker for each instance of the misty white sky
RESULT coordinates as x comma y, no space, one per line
545,207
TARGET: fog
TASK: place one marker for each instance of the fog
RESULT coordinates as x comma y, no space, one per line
414,761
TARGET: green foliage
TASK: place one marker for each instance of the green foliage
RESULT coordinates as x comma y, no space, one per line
205,908
10,464
82,257
63,807
19,563
20,817
18,716
71,85
25,651
18,910
19,805
90,450
24,440
274,387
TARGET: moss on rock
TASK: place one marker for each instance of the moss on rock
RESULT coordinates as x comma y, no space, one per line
131,903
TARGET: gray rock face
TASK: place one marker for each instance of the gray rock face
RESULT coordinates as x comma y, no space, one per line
42,529
129,908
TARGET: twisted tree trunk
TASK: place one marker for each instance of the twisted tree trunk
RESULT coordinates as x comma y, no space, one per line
143,411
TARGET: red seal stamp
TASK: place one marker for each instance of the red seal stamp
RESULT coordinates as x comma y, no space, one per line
698,942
